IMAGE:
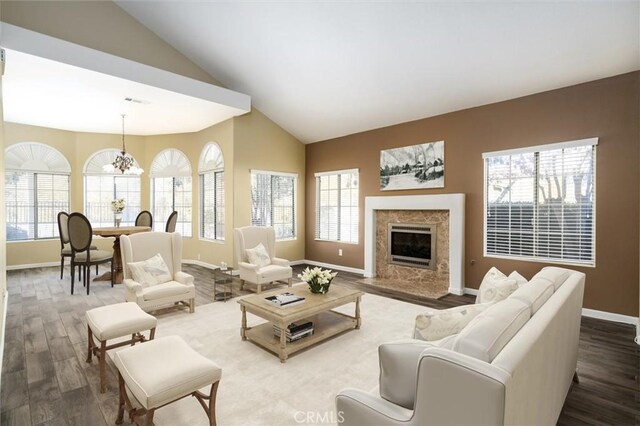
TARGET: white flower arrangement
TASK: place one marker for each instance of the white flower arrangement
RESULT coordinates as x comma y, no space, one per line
118,205
318,279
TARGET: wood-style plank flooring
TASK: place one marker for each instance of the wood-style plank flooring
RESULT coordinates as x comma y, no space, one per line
45,379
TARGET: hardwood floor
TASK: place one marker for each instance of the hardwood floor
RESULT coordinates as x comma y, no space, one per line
45,379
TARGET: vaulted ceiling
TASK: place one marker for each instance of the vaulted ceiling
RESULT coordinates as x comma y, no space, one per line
327,69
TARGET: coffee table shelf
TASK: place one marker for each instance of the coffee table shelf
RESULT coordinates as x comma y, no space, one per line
317,308
325,325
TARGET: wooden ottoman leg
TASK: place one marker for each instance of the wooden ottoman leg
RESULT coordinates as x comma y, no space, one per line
103,366
152,333
192,305
149,417
210,409
89,344
122,392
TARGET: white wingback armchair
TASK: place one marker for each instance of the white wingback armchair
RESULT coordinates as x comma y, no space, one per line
249,237
143,246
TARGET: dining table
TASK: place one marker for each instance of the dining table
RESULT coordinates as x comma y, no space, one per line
116,232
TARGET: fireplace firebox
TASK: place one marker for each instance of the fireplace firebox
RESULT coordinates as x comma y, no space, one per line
412,245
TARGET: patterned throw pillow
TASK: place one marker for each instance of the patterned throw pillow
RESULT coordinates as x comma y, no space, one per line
436,325
258,256
150,272
495,287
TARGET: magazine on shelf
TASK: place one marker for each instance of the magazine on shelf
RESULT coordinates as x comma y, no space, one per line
285,299
295,331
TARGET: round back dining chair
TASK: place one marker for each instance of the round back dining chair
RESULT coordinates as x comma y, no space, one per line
171,222
80,236
144,218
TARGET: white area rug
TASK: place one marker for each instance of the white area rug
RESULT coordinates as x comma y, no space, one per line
256,389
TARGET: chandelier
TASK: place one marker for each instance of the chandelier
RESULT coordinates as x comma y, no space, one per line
124,162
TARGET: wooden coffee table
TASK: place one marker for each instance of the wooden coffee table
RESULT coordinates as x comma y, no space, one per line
316,308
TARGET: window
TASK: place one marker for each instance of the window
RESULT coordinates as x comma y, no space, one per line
171,189
273,200
337,206
100,188
540,203
211,173
36,189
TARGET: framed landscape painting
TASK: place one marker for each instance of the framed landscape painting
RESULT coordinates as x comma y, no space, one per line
412,167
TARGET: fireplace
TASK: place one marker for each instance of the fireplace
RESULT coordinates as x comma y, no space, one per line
412,245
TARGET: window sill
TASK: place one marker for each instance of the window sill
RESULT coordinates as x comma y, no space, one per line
335,241
33,241
282,240
542,260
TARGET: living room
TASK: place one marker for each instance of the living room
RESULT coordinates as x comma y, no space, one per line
602,104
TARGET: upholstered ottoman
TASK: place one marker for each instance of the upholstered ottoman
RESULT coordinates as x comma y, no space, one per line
163,371
114,321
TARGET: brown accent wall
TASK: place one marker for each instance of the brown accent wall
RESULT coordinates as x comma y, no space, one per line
607,109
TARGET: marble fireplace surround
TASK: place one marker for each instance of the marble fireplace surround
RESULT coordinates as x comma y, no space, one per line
454,203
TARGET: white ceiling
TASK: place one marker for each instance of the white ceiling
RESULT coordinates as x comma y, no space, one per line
326,69
43,92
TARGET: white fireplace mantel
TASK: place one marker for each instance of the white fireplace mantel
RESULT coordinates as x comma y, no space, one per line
454,203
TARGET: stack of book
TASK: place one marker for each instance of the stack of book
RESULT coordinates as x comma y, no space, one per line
295,331
285,300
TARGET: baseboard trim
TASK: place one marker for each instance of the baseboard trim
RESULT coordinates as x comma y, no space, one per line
610,316
471,291
3,326
329,266
32,265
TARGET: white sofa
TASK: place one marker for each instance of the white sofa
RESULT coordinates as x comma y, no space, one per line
512,364
144,245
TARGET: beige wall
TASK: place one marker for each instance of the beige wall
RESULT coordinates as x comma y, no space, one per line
262,145
248,143
607,109
104,26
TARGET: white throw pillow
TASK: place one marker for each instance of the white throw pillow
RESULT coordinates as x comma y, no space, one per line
258,256
495,287
150,272
438,324
519,278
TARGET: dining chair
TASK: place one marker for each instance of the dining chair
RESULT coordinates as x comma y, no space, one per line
80,236
144,218
65,248
171,222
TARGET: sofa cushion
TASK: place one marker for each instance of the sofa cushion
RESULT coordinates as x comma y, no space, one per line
491,330
160,291
495,287
534,294
258,256
554,275
150,272
438,324
520,280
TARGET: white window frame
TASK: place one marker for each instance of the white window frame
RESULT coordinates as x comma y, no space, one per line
35,158
318,176
593,142
294,176
217,170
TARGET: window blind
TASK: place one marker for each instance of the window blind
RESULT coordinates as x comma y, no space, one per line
33,201
212,201
337,213
169,194
540,205
273,202
100,190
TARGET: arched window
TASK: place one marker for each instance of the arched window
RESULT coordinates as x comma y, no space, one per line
211,173
101,187
171,189
36,189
